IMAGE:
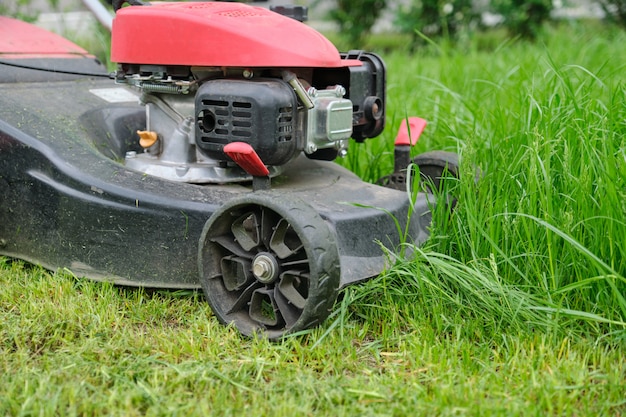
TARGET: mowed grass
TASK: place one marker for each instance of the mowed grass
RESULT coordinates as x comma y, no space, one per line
515,306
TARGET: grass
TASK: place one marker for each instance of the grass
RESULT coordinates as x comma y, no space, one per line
515,306
75,347
546,127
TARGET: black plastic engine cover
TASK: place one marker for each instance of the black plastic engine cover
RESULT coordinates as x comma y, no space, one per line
261,113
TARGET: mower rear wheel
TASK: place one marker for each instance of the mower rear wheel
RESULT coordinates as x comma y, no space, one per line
269,265
435,167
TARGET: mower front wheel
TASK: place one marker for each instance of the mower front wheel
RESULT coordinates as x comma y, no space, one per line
269,265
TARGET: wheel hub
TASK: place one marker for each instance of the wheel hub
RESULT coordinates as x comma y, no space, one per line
265,268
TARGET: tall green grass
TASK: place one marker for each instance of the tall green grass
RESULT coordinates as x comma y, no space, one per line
539,240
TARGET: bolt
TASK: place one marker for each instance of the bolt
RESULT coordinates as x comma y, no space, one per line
248,73
261,268
265,268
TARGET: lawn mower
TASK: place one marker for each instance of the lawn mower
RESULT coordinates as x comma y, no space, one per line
204,161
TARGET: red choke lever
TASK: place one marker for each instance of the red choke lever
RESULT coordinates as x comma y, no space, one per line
246,157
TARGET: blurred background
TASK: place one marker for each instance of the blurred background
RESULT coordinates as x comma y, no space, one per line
356,19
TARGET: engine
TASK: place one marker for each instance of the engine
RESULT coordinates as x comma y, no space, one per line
211,74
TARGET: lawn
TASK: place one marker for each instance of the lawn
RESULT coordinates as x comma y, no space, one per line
515,306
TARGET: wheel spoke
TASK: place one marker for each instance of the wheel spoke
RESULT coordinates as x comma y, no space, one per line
268,224
229,244
244,298
287,310
299,264
293,286
263,308
247,229
285,241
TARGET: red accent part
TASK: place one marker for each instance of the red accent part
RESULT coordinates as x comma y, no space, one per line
244,155
218,34
410,133
22,40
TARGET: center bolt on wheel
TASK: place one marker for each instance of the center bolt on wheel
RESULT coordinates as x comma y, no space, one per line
265,268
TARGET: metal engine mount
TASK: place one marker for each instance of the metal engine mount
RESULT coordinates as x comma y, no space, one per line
185,134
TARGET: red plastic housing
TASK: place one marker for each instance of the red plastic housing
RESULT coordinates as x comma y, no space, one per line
22,40
219,34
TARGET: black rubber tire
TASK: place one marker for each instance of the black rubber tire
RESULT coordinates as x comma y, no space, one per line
434,166
305,259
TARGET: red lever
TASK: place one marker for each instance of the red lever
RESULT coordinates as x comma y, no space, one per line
409,134
244,155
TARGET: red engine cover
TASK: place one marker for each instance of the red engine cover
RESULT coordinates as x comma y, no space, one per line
217,34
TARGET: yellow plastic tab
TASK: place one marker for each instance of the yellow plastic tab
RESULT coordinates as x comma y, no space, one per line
147,138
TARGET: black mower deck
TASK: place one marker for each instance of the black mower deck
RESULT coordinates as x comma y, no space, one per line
67,201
